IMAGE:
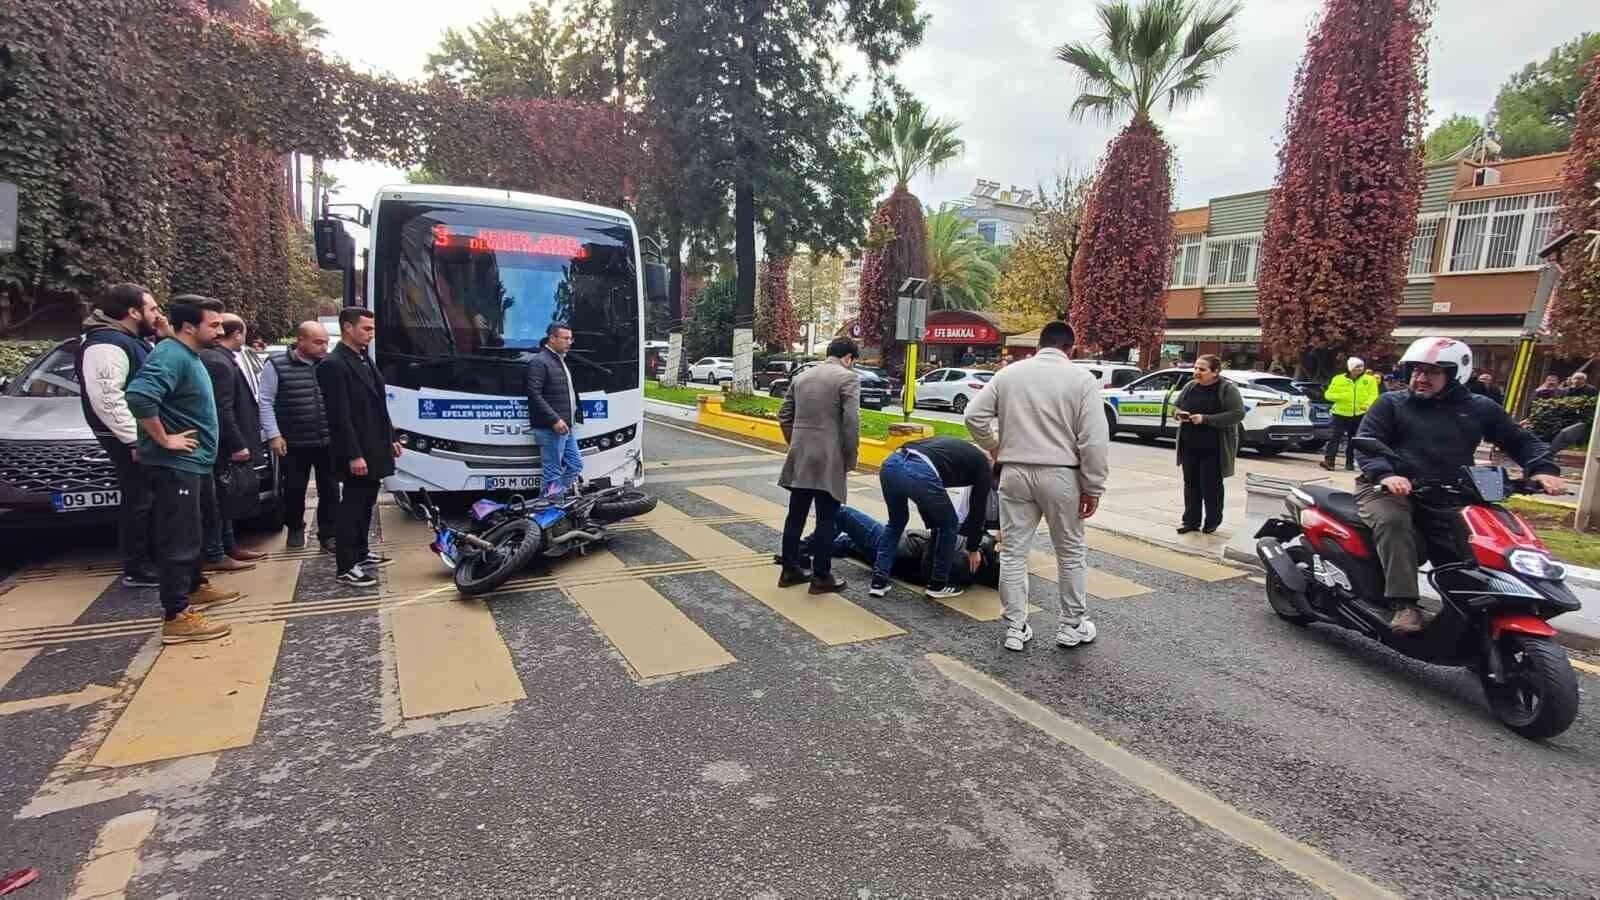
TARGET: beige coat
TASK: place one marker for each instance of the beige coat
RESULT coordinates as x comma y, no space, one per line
821,420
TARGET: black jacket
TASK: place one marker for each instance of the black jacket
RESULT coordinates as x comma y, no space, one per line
961,464
358,412
302,421
238,413
1436,436
545,383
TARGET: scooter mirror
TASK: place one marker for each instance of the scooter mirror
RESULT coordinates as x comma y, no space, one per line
1372,447
1570,436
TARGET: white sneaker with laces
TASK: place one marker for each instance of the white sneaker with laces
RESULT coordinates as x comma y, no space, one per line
1072,635
1017,638
944,593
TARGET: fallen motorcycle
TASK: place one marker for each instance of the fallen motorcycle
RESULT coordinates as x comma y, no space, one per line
503,538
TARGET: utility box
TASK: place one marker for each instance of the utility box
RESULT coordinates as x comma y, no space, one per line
910,319
8,217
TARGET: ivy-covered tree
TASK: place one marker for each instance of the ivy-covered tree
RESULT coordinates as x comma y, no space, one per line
905,143
775,323
1576,317
1340,221
1165,51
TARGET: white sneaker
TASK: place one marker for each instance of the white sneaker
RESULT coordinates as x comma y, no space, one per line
1073,635
1017,638
944,593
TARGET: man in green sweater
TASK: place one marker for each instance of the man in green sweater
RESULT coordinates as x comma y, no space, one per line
172,400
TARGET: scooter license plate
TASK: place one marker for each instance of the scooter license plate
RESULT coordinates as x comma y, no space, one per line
510,482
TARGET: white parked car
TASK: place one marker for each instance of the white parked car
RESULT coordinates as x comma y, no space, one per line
712,369
1112,374
951,389
1274,420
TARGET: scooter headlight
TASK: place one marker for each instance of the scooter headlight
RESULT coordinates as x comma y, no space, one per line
1534,564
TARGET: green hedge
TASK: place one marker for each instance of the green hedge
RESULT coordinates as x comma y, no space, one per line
1550,416
15,355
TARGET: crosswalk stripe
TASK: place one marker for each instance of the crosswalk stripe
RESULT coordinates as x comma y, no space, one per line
450,656
12,662
57,601
828,617
198,698
707,461
415,570
269,581
742,502
1101,584
1171,560
650,632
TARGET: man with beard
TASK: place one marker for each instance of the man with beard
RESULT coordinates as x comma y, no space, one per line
116,342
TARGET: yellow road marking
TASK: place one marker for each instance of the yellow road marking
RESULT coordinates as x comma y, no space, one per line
1104,585
12,662
416,570
828,617
1582,666
1171,560
450,656
702,461
742,502
55,601
270,581
91,693
650,632
114,858
1301,859
401,531
198,698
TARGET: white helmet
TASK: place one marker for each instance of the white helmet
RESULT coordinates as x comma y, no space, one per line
1449,354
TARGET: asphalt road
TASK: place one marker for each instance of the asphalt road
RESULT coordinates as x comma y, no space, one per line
1200,747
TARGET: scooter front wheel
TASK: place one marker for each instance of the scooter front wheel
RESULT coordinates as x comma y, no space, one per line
1539,698
515,543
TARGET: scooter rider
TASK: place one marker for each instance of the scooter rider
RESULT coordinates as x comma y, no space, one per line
1434,426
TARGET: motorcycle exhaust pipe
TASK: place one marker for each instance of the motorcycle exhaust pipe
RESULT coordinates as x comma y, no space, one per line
573,535
478,542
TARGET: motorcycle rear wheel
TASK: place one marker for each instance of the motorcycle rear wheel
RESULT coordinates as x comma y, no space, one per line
1540,696
624,504
515,543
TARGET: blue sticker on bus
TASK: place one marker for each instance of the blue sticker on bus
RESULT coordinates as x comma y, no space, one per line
595,409
458,408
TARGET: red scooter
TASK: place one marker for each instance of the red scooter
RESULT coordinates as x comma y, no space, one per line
1322,566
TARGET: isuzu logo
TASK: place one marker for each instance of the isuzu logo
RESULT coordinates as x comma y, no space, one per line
507,428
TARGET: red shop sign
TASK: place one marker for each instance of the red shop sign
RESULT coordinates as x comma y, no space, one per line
962,333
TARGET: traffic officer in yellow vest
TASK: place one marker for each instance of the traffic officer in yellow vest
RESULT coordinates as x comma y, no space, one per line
1351,394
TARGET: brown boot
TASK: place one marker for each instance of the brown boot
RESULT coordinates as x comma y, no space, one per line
831,584
243,555
227,564
1407,619
191,626
210,596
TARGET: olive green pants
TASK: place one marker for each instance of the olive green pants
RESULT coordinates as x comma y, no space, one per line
1404,531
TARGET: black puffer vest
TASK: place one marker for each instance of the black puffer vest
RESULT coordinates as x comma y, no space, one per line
302,420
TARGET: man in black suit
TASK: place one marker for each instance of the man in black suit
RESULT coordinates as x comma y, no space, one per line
363,444
238,438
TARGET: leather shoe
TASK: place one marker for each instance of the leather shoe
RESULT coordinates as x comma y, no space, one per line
831,584
243,555
1407,620
793,575
227,564
1326,464
1185,529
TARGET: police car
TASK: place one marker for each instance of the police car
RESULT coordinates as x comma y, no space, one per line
1277,417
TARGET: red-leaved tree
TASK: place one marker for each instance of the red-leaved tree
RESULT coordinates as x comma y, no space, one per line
878,269
775,323
1119,276
1340,222
1576,317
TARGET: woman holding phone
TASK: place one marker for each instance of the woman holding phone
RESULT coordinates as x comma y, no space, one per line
1209,410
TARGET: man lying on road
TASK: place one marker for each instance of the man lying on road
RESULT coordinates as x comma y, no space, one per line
859,536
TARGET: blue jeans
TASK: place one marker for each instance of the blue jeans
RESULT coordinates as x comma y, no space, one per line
906,479
859,534
558,454
219,537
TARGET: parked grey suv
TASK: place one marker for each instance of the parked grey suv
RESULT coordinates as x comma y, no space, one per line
53,473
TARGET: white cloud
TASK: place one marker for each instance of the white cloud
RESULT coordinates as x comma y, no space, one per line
993,68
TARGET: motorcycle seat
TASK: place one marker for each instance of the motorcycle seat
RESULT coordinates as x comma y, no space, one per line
1339,504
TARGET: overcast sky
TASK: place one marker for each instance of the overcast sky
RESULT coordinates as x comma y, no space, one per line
992,67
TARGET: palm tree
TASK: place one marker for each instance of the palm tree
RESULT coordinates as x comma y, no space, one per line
963,269
289,19
1162,52
905,143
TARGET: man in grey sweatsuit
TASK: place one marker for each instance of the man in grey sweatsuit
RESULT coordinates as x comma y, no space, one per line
1042,422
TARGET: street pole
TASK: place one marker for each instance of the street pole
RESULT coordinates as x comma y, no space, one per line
909,401
911,318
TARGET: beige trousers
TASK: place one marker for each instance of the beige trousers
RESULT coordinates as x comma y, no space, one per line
1027,495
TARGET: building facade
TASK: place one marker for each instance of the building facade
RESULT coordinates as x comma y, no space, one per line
1471,274
1000,216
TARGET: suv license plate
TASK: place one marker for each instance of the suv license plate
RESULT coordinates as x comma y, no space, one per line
510,482
72,501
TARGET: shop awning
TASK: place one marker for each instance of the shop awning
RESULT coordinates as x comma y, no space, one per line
1403,334
1025,339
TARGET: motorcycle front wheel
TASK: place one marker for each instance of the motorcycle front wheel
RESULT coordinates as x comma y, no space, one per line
623,504
515,543
1539,698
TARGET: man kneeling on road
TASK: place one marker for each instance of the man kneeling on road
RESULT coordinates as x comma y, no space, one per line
860,536
172,400
919,473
